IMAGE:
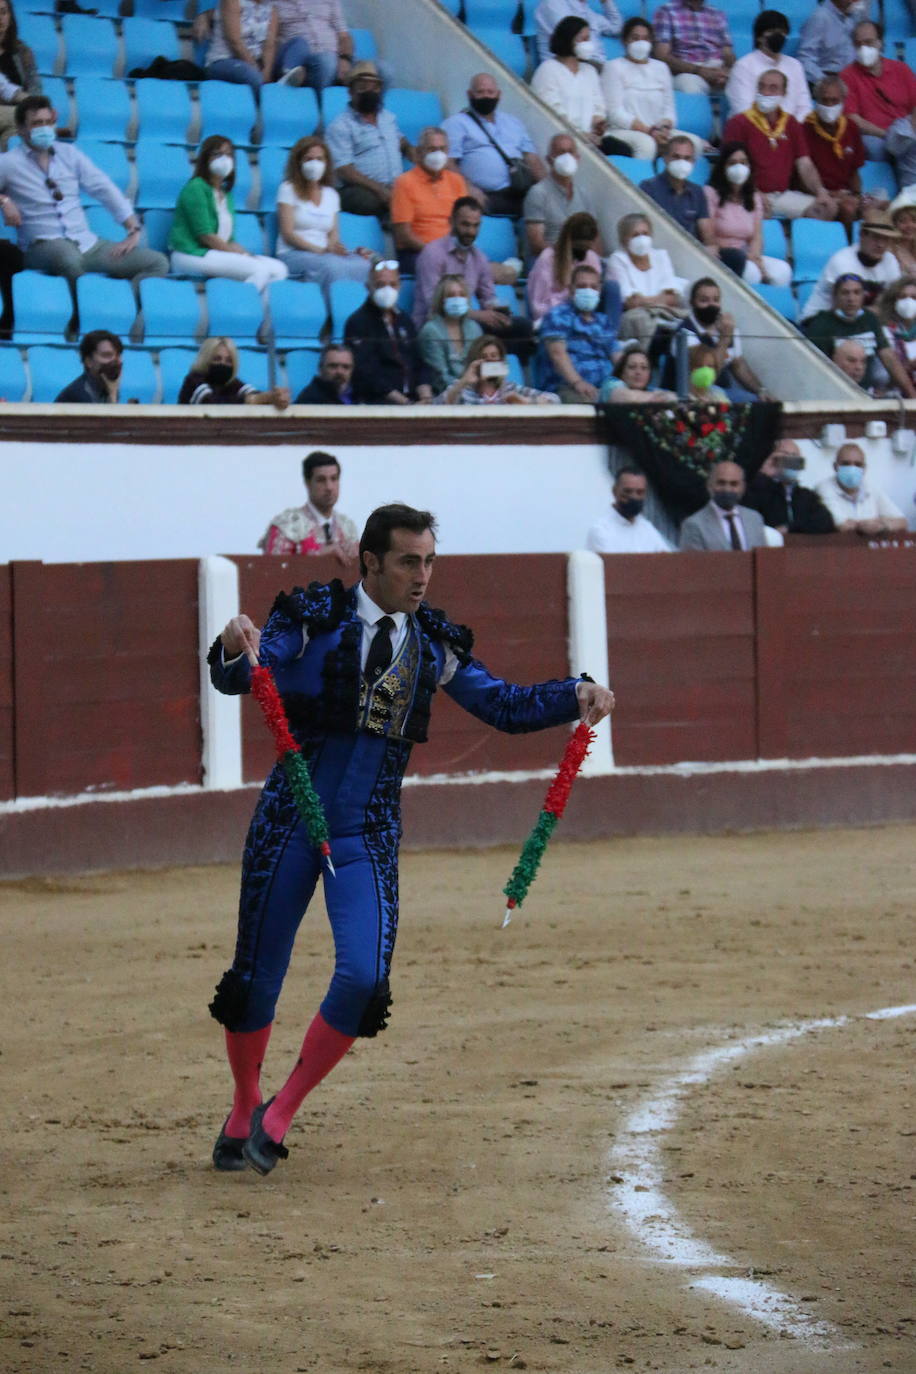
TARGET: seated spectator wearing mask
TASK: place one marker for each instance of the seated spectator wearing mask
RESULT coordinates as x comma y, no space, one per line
856,506
825,45
639,95
652,293
390,369
99,383
679,197
903,218
367,146
578,342
485,380
625,529
735,210
332,384
629,384
835,147
702,360
214,381
777,494
569,84
849,319
771,29
448,332
550,279
723,524
484,140
707,323
776,145
896,309
879,90
422,200
548,14
872,260
693,39
308,210
549,204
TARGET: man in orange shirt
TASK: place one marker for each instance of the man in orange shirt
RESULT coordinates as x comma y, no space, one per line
422,200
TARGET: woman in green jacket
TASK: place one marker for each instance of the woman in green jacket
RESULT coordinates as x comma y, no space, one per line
201,239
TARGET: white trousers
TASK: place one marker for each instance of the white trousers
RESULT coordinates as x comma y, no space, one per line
779,273
255,268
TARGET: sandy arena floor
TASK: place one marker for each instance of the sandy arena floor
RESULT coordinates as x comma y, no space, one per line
452,1196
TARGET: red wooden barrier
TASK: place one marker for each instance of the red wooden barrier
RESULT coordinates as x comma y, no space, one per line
7,757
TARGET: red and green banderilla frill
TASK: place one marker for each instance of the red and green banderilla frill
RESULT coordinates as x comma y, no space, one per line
308,803
529,860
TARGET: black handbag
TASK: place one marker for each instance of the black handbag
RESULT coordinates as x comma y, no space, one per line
521,178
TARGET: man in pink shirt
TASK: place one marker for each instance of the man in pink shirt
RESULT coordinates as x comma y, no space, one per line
879,90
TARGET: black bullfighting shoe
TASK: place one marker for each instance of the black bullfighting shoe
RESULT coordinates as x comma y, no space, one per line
227,1152
259,1150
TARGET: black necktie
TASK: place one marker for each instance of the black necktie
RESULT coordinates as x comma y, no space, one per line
733,534
380,649
327,531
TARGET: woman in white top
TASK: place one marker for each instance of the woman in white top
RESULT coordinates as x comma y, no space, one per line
307,215
568,83
639,95
652,293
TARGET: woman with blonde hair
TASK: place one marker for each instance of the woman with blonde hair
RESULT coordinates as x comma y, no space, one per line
652,292
449,331
308,209
214,380
485,380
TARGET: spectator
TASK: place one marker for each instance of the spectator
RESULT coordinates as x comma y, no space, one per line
422,200
777,494
493,150
549,204
625,529
702,360
457,253
723,524
214,381
99,383
390,369
879,90
871,260
243,44
548,14
707,323
680,197
849,319
693,40
367,146
313,38
903,218
896,309
307,215
332,385
577,342
18,71
771,29
735,210
201,235
43,181
855,505
639,95
825,45
316,527
550,277
485,380
652,294
448,332
835,147
900,143
776,145
569,84
850,357
629,384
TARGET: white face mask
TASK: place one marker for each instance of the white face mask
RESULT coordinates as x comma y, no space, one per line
639,49
566,164
313,168
640,245
385,297
434,161
737,173
829,113
866,55
222,166
680,168
906,307
766,104
584,50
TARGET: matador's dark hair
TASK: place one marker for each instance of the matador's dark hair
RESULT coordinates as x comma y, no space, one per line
376,537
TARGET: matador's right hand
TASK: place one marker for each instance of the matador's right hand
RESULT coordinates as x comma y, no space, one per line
241,636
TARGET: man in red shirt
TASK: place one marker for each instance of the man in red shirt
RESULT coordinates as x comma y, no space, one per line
777,148
879,90
835,147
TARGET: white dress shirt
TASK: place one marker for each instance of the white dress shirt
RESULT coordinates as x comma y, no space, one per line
658,276
638,90
43,217
613,533
575,96
864,504
741,89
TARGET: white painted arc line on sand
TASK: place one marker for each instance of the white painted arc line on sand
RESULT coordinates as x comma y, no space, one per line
653,1219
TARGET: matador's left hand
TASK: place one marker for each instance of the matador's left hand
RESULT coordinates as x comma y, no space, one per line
595,701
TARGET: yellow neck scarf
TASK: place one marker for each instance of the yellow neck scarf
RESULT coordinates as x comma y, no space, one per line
773,132
835,139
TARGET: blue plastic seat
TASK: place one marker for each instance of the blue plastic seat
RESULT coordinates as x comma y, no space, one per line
813,242
174,366
227,109
364,45
414,110
489,14
43,307
242,190
635,169
508,47
234,310
346,297
297,313
334,100
287,114
171,311
780,298
301,366
248,232
878,176
40,33
145,39
55,88
254,368
174,11
497,238
693,113
91,45
163,110
505,295
14,383
105,303
162,170
272,164
138,377
51,369
271,230
774,239
102,109
158,226
110,158
360,231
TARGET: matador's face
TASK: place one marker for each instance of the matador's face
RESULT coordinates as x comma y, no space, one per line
398,580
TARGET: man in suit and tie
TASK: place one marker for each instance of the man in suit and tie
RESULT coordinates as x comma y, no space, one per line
723,524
